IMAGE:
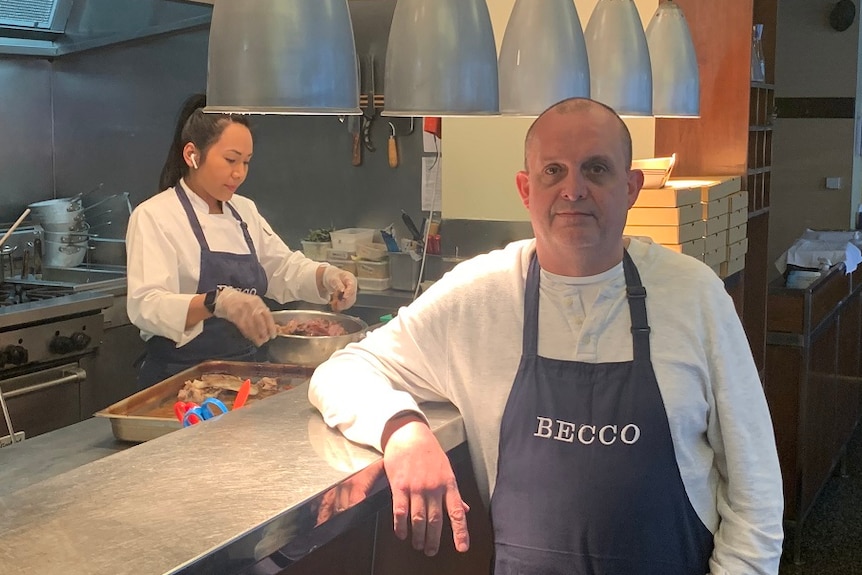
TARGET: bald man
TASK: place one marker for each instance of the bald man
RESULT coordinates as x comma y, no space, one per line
614,414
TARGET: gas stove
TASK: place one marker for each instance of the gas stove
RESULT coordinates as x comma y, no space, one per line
14,294
46,324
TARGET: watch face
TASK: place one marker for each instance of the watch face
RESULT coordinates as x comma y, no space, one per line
209,301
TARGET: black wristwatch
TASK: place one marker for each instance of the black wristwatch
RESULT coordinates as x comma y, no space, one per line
209,301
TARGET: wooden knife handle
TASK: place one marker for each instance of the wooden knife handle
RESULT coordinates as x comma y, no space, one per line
393,153
357,150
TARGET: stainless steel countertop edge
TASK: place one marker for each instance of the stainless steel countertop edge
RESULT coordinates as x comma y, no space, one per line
216,497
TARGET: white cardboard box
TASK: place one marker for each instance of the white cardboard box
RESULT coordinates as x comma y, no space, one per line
693,248
738,217
716,241
729,268
715,207
715,257
663,216
667,197
736,233
711,187
737,250
669,234
716,224
738,200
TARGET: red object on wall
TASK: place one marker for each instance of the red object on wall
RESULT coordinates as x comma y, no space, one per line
433,126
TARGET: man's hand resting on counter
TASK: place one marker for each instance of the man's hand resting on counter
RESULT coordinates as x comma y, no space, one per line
422,481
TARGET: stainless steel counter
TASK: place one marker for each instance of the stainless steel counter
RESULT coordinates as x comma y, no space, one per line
251,492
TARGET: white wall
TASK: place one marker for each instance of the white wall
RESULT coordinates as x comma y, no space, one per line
482,155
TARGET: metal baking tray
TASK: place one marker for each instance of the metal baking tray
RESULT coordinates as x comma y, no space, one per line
150,413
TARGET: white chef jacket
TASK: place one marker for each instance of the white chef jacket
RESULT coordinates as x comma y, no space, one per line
461,341
164,261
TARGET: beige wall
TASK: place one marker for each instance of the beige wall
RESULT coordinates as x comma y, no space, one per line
482,155
813,61
804,152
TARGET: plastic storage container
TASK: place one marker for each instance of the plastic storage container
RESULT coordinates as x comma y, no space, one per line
372,252
348,238
404,271
316,250
372,270
371,284
346,265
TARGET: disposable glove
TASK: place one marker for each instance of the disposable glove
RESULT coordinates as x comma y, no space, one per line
248,313
341,286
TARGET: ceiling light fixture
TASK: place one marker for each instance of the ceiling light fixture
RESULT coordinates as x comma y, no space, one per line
675,76
543,59
278,57
441,60
620,73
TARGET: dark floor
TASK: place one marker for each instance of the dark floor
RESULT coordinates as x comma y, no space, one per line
832,532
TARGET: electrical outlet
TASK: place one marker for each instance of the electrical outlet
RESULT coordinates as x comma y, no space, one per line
833,183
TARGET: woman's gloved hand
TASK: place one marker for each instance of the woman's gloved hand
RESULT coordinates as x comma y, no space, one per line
341,286
248,313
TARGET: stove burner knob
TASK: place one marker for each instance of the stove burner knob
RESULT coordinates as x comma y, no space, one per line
16,354
80,340
61,344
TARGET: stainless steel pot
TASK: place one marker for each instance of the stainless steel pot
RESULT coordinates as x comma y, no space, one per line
60,209
64,255
310,350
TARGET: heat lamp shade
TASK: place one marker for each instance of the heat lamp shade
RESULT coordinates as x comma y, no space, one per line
543,59
675,76
282,57
620,73
441,60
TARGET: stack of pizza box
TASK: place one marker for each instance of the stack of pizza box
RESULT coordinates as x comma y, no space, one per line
703,217
671,217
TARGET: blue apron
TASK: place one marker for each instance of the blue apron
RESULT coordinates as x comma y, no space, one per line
220,338
587,479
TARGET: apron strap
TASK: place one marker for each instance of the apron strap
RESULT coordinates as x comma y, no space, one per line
193,218
636,294
530,344
196,224
244,227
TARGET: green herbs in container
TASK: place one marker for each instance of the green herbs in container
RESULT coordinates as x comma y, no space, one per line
317,243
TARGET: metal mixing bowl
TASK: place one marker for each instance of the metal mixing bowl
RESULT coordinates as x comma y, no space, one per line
312,350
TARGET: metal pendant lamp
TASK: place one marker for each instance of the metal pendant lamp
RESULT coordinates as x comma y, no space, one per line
543,58
282,57
675,77
620,73
441,60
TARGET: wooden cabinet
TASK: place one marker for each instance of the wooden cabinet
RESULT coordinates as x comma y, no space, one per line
758,183
812,383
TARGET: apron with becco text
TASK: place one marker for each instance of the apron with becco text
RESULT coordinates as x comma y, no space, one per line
587,479
220,338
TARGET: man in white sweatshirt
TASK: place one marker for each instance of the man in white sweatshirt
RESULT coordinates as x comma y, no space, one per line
614,415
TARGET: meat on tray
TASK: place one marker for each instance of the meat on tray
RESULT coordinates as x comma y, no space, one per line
225,387
317,327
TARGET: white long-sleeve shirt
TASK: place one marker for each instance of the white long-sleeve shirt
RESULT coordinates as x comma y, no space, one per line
164,257
461,342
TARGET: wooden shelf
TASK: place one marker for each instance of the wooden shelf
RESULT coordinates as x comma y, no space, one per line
761,170
758,213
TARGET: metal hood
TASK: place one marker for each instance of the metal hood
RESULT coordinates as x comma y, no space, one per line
53,28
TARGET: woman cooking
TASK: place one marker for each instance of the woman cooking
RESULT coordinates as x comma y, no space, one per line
200,257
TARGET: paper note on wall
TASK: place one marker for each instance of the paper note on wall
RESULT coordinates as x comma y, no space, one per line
430,143
432,197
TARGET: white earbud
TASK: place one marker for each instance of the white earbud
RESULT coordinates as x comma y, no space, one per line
194,162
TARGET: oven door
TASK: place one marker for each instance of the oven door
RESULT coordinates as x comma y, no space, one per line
44,400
